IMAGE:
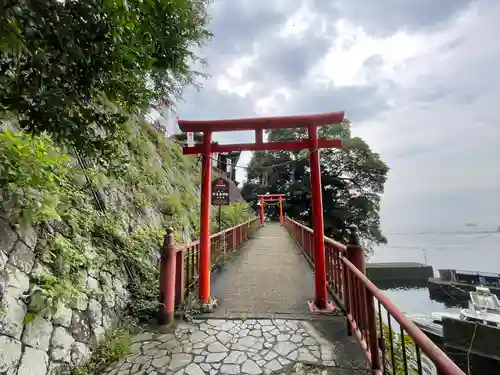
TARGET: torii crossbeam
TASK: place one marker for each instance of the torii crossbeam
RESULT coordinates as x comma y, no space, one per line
311,122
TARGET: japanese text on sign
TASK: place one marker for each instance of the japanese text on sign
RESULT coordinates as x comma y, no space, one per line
220,192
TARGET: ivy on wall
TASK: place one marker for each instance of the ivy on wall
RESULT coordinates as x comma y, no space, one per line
154,186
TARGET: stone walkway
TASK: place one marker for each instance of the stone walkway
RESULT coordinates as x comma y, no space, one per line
217,346
261,325
269,275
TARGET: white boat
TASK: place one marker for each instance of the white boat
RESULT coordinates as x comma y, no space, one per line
484,307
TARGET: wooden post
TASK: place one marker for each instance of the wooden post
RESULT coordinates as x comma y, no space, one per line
233,231
224,244
261,210
281,210
356,255
219,218
167,279
180,278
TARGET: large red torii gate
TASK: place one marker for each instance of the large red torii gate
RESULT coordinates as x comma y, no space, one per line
313,143
272,198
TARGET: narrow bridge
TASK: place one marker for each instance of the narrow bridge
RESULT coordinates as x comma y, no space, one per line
266,321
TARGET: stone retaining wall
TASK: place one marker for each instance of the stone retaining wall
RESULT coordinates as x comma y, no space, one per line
43,345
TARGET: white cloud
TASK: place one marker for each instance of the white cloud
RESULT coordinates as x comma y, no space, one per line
344,64
426,97
231,80
269,105
301,21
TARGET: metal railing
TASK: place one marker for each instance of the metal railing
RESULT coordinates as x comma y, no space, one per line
392,343
179,264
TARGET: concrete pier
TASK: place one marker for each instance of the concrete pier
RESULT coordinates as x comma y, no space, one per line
399,274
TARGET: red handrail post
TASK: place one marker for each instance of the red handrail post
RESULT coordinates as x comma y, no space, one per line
206,182
180,278
261,210
356,255
167,278
373,342
347,295
317,211
281,210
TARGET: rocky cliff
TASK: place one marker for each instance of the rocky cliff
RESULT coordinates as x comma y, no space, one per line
79,241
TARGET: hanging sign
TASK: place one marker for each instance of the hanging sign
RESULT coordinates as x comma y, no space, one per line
190,139
220,192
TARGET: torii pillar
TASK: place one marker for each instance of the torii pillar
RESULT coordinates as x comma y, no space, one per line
272,198
311,122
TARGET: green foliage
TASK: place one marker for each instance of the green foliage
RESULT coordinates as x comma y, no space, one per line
116,345
36,191
63,62
137,254
156,166
352,179
400,352
49,189
232,215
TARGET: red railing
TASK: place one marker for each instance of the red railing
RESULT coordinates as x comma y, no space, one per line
370,314
179,264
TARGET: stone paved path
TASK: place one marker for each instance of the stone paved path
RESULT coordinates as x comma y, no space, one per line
269,275
262,324
217,346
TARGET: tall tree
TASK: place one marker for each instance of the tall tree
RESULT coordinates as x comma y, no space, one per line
352,180
62,63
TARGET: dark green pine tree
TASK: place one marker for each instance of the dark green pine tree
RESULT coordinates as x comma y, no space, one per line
352,180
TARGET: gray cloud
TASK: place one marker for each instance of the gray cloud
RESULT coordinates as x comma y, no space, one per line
433,115
235,29
288,62
386,16
359,103
199,105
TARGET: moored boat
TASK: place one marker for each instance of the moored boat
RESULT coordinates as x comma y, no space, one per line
455,285
484,308
432,324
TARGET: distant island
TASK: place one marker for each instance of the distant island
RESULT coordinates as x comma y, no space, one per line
471,225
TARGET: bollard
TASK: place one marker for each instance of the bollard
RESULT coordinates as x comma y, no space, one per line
167,279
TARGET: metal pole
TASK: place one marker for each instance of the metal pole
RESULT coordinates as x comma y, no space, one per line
317,214
206,179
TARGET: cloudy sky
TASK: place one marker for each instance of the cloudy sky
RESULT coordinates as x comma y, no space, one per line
419,79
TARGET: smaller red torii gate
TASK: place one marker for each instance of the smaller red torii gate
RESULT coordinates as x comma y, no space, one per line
270,198
258,125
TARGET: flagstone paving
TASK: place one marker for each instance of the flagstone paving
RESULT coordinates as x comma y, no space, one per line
268,275
218,346
262,324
